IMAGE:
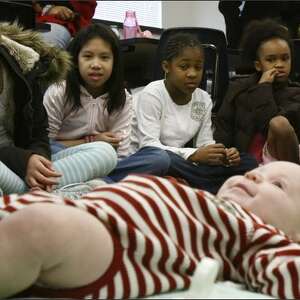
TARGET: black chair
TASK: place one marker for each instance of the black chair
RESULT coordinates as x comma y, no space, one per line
216,60
138,57
20,11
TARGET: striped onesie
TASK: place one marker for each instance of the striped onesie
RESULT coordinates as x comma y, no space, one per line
162,229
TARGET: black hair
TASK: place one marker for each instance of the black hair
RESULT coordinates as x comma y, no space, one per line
178,42
259,31
114,85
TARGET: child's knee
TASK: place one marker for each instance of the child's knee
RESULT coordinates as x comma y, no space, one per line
161,160
280,126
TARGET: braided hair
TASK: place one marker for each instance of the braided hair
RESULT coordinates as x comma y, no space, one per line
178,42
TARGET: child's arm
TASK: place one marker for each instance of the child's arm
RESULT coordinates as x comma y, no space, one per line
261,102
32,138
119,128
224,121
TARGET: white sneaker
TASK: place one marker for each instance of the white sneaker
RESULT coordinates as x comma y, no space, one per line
77,190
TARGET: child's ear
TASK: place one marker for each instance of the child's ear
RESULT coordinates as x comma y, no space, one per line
257,65
165,66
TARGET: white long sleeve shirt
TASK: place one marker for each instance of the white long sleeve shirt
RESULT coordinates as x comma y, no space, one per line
91,118
162,123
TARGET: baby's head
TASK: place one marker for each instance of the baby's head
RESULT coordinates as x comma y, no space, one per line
272,192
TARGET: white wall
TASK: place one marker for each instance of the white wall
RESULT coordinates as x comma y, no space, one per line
174,13
192,13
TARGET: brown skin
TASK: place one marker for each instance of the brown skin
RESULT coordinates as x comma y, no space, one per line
62,13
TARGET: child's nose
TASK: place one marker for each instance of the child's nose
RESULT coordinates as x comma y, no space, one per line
192,73
254,176
278,64
95,64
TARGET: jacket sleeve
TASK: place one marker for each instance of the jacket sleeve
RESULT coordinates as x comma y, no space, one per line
32,137
263,107
121,124
224,122
54,102
39,142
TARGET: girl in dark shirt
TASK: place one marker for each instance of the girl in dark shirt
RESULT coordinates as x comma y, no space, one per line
261,114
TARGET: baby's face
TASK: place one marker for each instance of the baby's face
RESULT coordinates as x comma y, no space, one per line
272,192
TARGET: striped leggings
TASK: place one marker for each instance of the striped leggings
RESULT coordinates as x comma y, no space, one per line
77,164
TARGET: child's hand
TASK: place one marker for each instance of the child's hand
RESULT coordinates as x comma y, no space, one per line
268,76
61,12
232,157
212,154
40,174
109,137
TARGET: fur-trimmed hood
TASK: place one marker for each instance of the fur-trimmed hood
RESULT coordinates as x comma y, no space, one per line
27,47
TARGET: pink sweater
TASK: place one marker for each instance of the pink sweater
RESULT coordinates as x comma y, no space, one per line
91,118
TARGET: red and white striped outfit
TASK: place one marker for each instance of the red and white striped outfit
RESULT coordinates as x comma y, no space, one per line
162,229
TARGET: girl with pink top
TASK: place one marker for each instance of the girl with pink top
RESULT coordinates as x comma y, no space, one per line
92,104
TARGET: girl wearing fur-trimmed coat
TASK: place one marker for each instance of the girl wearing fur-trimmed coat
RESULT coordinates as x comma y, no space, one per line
26,64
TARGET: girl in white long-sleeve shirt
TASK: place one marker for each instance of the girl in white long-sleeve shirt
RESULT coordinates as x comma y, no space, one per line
171,112
92,104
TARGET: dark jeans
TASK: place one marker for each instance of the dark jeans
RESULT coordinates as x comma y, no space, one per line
155,161
147,160
206,177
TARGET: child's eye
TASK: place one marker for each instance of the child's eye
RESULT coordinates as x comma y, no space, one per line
270,60
278,184
183,67
285,58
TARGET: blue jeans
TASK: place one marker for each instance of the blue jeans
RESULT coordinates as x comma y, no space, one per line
206,177
147,160
56,146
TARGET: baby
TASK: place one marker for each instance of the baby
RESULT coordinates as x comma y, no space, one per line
146,235
271,192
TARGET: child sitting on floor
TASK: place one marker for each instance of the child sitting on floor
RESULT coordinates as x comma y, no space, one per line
261,114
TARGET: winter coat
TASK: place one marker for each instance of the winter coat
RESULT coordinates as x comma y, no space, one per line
248,108
30,63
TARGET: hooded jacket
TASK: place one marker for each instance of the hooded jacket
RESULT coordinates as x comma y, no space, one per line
248,108
29,65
